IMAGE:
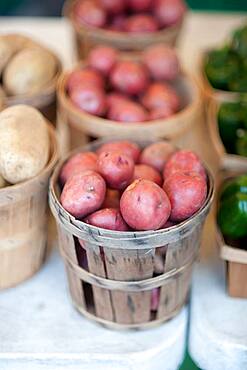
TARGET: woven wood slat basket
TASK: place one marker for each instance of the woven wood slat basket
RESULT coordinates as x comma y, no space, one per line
87,37
182,128
228,162
112,275
23,218
44,100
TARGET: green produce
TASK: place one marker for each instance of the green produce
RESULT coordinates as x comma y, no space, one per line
239,83
232,213
229,122
239,41
241,145
232,216
234,186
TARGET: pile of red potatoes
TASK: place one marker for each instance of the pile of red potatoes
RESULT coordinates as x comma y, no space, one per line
137,16
122,187
127,90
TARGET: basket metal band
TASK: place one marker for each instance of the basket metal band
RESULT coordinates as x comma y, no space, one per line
129,286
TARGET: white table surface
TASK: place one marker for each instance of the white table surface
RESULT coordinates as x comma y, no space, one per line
38,328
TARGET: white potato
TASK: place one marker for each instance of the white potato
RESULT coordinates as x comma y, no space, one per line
29,71
6,51
24,148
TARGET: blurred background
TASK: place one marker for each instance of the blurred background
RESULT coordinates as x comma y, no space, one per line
54,7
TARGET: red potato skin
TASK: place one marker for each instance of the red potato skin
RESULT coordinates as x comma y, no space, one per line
144,205
169,12
157,154
103,58
162,62
116,168
187,192
112,199
83,193
140,5
183,161
126,147
89,99
143,171
113,6
107,218
140,23
161,113
78,163
128,112
114,99
85,76
117,23
129,77
159,95
90,12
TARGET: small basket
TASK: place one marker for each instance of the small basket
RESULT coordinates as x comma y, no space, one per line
210,92
229,162
113,275
23,217
183,128
88,37
45,100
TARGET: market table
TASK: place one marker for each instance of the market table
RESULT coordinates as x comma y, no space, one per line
39,328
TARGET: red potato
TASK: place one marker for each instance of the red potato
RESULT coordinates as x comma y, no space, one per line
140,5
114,99
183,161
116,168
160,95
89,99
129,77
107,218
83,193
78,163
168,224
144,205
143,171
91,13
113,6
156,154
125,146
169,12
162,112
187,192
102,58
112,199
128,112
162,62
85,76
141,23
117,23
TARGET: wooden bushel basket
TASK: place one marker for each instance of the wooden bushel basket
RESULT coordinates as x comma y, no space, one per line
88,37
229,162
183,128
23,218
210,92
113,275
45,100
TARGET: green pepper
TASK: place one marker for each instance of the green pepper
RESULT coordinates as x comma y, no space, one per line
238,83
232,216
241,144
239,41
231,187
229,121
221,67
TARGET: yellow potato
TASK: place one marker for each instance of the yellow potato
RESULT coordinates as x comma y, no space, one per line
24,148
2,98
29,71
6,51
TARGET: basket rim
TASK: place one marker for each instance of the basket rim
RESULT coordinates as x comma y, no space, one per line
147,126
77,227
49,88
49,166
67,12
